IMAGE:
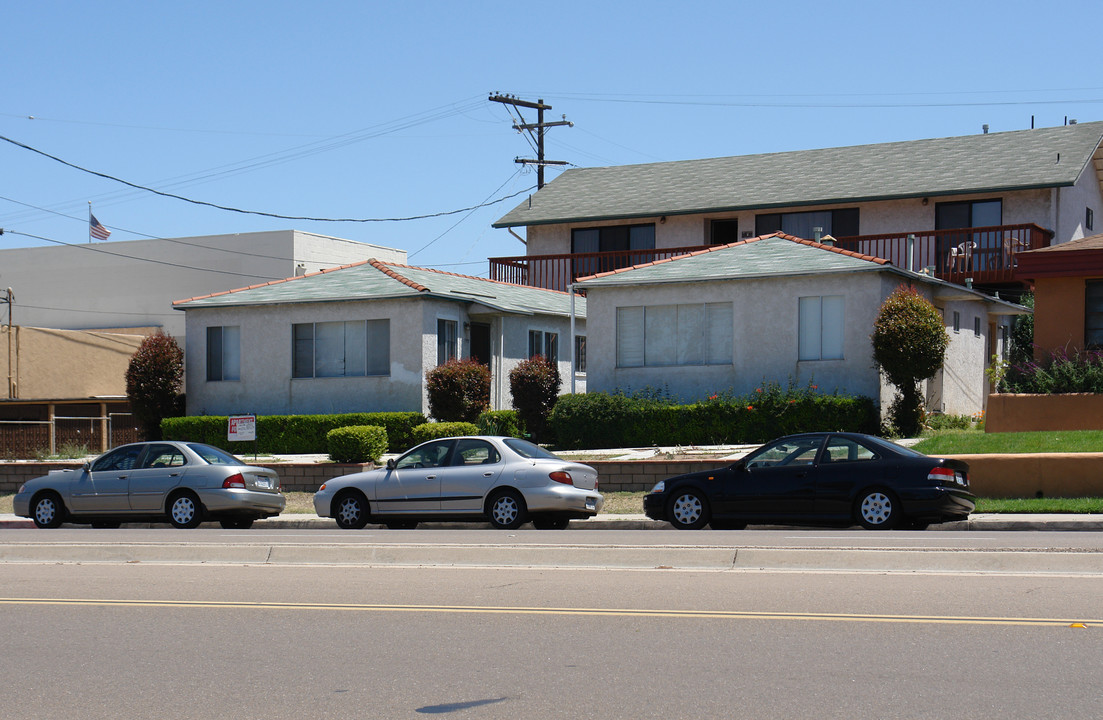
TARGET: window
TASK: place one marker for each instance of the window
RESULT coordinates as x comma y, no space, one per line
544,344
662,335
341,349
446,341
968,214
1005,344
614,238
840,450
799,451
475,452
1089,219
821,327
224,353
976,326
430,455
580,354
837,223
1093,312
957,321
723,232
977,250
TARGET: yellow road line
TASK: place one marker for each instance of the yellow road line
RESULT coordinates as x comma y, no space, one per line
604,612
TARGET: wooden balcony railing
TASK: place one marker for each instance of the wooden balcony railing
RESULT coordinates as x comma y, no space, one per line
986,255
556,272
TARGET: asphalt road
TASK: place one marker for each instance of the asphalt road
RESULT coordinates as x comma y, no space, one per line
139,640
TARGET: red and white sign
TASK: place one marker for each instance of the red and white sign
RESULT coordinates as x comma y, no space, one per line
242,427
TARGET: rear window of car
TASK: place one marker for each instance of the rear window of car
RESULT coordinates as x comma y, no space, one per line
527,450
214,456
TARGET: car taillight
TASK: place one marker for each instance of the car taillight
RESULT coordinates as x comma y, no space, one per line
234,481
945,475
562,477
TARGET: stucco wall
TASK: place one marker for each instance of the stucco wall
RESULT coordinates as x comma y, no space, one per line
134,283
1058,315
1072,203
55,364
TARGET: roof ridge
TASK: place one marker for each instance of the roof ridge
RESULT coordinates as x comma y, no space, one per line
468,277
383,268
271,282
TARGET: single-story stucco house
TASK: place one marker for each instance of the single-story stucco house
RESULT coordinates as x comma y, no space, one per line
360,338
776,308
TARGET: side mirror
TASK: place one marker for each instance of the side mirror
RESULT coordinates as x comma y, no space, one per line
739,467
390,463
86,467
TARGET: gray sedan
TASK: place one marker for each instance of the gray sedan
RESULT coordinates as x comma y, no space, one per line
183,482
502,480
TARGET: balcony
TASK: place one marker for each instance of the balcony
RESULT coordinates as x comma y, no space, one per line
986,255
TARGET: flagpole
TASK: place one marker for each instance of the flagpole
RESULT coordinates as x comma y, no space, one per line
89,221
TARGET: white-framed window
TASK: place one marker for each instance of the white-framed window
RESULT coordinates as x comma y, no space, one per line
544,344
580,353
341,349
665,335
223,353
976,327
822,326
957,321
446,340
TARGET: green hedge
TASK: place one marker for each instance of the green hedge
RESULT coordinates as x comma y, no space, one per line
292,434
432,431
600,420
357,443
500,422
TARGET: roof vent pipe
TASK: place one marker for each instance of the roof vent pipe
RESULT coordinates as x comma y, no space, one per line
985,128
911,253
817,233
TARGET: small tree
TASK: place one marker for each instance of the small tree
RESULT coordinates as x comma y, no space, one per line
153,381
909,344
534,384
1022,334
458,390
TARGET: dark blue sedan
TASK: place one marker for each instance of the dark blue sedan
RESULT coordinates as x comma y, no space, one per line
819,479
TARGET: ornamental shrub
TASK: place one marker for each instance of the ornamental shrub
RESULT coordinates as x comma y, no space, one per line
292,434
909,344
153,380
432,431
1080,372
1022,334
500,422
357,443
534,386
458,390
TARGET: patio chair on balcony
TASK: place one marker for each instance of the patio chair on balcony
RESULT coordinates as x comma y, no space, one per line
960,257
1011,247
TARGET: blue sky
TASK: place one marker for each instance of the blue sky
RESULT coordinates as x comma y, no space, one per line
373,110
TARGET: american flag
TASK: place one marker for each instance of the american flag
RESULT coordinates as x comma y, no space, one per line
97,230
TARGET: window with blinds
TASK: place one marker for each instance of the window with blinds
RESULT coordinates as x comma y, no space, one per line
670,335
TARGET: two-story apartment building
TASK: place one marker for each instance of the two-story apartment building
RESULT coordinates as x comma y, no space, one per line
970,203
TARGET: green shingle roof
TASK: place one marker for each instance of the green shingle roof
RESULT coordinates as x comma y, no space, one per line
769,256
996,162
373,279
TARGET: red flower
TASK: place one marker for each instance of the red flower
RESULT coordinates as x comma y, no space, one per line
750,407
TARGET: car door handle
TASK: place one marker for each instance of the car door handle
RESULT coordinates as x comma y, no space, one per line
488,474
174,474
430,477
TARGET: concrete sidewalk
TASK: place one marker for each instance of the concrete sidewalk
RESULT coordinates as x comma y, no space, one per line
977,521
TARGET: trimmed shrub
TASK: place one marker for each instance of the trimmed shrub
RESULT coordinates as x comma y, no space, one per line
500,422
458,390
292,434
153,380
432,431
357,443
534,385
600,420
1080,372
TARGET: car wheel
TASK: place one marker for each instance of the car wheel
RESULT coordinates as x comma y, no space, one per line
551,523
185,511
106,524
237,523
350,510
507,510
401,524
877,509
48,510
727,525
688,510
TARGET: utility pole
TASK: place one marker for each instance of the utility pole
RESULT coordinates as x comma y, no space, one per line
535,131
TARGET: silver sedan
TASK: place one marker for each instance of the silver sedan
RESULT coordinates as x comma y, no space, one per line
183,482
503,480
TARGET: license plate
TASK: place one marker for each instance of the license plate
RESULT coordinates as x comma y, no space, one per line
264,483
591,504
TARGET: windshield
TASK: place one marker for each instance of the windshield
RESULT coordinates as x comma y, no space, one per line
527,450
214,456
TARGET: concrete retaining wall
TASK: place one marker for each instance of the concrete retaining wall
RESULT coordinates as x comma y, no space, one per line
1030,413
992,476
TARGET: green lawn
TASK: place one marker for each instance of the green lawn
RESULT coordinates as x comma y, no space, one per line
970,442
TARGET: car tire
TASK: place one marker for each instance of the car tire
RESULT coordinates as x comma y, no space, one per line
507,510
48,511
401,524
185,511
551,523
877,509
688,509
350,510
237,523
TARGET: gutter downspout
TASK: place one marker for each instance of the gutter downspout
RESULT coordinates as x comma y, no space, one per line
523,241
570,288
501,359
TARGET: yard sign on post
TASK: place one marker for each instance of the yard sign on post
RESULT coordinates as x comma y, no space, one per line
243,428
